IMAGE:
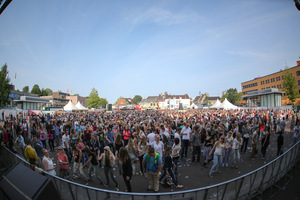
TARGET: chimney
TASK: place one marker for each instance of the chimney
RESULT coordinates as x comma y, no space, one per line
298,62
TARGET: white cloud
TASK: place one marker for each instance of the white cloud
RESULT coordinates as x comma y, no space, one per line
162,16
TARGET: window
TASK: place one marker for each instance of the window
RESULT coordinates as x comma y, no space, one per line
299,82
282,78
279,78
298,73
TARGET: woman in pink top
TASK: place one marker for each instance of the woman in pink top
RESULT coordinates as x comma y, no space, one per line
43,136
63,162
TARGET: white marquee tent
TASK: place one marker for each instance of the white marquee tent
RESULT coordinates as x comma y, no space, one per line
80,107
216,105
226,105
70,107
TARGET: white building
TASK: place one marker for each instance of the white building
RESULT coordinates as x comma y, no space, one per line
173,101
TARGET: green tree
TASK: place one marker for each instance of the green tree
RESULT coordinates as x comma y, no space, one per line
289,85
4,85
94,100
46,92
103,102
136,99
25,89
232,95
36,90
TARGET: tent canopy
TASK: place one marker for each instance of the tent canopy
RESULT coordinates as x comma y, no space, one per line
70,107
80,107
216,105
227,105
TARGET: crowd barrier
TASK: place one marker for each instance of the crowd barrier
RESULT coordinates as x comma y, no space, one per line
246,186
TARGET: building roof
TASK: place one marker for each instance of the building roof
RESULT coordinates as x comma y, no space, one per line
260,77
177,96
213,98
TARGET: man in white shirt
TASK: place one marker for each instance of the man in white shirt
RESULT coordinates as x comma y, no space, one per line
186,137
151,137
65,144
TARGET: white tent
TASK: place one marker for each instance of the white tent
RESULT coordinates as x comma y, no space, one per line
80,107
70,107
216,105
227,105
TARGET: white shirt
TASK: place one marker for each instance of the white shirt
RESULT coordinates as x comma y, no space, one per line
187,131
65,139
49,165
177,135
159,148
151,138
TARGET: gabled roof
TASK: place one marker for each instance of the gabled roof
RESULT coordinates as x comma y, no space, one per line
177,96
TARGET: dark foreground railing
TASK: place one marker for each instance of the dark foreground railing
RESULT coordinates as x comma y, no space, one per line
246,186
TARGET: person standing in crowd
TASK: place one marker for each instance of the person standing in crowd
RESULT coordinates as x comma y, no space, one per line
108,161
57,134
63,162
142,150
255,139
93,164
43,136
126,135
218,152
245,135
168,167
151,136
176,153
228,149
38,146
152,163
20,144
126,166
77,153
265,141
158,145
48,164
66,144
132,151
186,137
50,132
30,154
282,125
208,142
109,137
237,142
196,143
296,133
118,143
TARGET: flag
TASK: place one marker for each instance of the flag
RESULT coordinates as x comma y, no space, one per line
71,90
129,100
15,75
67,90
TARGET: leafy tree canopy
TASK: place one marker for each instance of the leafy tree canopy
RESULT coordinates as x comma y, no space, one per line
36,90
103,102
46,92
25,89
289,85
4,85
93,100
232,95
136,99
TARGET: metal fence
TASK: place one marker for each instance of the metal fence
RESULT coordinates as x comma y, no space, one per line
246,186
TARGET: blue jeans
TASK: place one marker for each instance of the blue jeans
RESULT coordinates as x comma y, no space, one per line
171,173
226,155
175,161
217,163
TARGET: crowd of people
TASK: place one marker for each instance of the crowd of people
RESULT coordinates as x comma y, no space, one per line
145,143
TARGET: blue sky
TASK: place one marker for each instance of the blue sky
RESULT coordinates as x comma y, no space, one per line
125,48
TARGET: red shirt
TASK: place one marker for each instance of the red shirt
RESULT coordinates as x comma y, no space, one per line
62,158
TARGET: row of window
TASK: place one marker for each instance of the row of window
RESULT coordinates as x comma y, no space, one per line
278,78
250,85
274,86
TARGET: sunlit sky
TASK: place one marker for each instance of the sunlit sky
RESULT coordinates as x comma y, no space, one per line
127,48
